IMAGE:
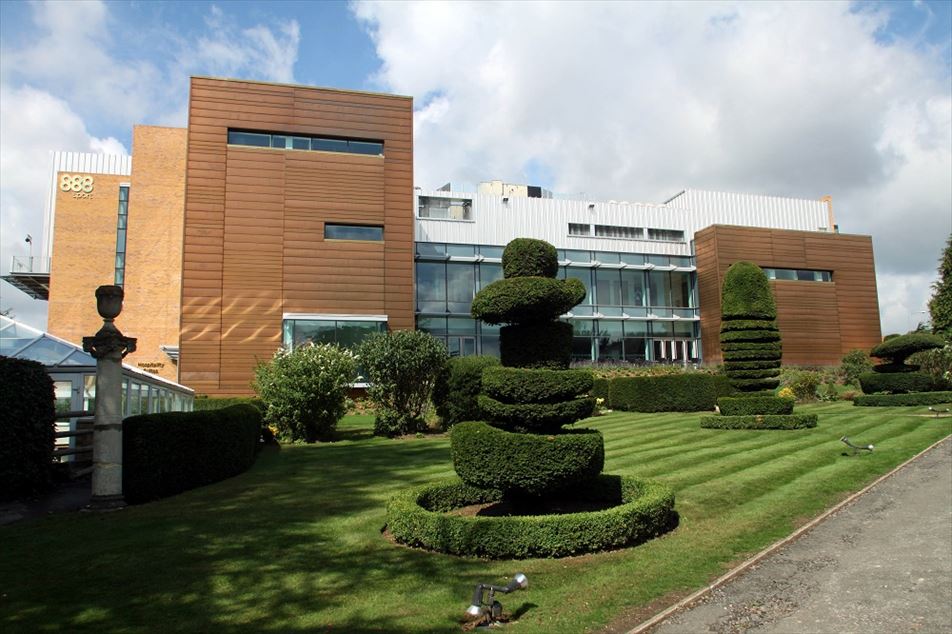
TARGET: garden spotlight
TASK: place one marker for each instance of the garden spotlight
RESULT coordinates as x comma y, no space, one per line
490,610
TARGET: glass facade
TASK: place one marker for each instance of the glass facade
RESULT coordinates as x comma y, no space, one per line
347,333
632,311
288,142
121,226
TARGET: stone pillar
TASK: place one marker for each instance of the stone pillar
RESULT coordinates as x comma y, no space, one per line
109,347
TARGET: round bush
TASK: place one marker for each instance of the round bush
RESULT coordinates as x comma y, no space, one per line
527,385
526,300
744,406
536,345
305,390
543,418
527,257
897,383
854,363
26,427
525,464
418,517
746,293
769,421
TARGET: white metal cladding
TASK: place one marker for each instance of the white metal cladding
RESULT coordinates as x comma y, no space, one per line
84,163
496,222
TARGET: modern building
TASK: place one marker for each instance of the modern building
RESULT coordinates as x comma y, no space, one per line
286,214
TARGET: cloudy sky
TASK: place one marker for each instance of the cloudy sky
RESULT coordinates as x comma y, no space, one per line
626,101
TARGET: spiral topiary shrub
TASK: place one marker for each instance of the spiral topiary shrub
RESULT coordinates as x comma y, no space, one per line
544,480
751,348
894,375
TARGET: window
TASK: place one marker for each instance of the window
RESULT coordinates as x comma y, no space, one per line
666,235
281,141
626,233
353,232
121,226
347,332
445,208
800,275
576,229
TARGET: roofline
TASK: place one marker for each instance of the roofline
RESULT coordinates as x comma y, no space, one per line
289,85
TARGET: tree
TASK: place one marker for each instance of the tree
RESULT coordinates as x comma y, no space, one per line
940,306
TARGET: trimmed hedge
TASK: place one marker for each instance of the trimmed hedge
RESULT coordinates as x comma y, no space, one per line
528,257
753,346
758,335
164,454
749,324
536,417
768,421
536,345
600,389
892,368
455,392
535,385
27,425
753,355
692,392
746,293
891,400
525,464
207,403
755,385
766,373
897,382
898,348
526,300
418,518
745,406
757,364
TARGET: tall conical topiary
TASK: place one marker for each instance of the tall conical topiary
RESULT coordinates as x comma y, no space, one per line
750,338
751,347
533,395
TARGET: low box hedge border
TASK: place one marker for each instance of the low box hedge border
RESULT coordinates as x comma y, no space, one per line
766,421
902,400
689,392
748,406
419,518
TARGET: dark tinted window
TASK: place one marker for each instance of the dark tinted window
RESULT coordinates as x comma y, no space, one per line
249,138
353,232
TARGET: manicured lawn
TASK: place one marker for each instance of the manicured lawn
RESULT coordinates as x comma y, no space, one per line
295,543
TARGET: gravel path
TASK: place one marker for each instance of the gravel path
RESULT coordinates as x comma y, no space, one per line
881,564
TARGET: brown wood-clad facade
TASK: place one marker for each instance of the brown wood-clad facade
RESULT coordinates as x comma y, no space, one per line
819,321
254,246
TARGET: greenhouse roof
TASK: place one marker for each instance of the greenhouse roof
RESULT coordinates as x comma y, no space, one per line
24,342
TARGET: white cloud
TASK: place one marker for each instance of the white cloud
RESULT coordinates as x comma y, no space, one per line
72,78
31,122
636,101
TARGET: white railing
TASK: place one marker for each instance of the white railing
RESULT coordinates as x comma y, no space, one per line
29,264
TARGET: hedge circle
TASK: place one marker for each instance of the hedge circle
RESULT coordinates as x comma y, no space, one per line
525,464
760,421
419,517
540,418
537,385
536,345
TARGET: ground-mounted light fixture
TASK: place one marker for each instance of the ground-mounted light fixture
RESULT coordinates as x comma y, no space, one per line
487,610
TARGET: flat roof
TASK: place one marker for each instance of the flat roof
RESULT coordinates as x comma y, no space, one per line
288,85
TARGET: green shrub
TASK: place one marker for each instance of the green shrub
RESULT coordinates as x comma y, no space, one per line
205,403
897,383
525,300
828,393
527,257
804,383
937,363
402,368
305,390
753,364
855,363
896,350
525,464
752,355
768,421
745,406
541,418
892,400
749,324
940,305
759,335
751,346
536,345
755,385
164,454
689,392
26,428
746,293
455,391
524,385
418,518
600,389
